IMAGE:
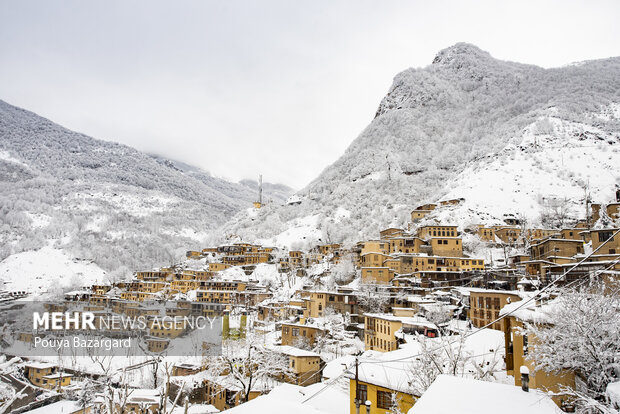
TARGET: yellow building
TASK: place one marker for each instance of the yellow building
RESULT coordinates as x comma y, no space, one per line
192,254
406,244
417,215
390,233
549,249
293,333
426,232
375,259
446,246
383,275
486,233
507,234
604,236
409,263
224,393
305,365
382,384
46,375
517,346
379,330
464,264
218,267
422,211
326,249
540,234
143,401
316,302
375,246
485,304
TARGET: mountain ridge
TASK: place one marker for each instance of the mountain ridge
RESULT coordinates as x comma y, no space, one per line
433,123
103,200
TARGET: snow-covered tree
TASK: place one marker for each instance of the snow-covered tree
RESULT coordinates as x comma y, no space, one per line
373,297
581,334
248,362
443,355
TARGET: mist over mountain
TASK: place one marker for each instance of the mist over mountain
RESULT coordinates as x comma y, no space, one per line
440,127
104,201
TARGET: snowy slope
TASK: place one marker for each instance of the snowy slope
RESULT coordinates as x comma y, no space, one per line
447,129
47,271
108,202
547,168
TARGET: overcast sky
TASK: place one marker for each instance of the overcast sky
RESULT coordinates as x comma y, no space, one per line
247,87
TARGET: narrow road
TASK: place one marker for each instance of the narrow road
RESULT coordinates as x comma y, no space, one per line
27,392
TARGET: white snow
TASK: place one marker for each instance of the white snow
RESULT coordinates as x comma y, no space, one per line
47,270
613,391
288,398
302,230
60,407
539,170
38,221
449,395
5,156
134,204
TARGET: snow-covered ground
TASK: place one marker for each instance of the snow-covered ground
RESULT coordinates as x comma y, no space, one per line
5,156
544,168
300,231
47,271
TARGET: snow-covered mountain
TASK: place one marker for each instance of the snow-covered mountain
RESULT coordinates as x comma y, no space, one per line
505,136
103,201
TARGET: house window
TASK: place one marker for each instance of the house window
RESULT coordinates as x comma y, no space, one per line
604,236
295,331
525,344
384,400
362,393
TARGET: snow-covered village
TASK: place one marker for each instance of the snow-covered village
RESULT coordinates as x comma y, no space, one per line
219,236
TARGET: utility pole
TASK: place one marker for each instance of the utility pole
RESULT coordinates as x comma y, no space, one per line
587,200
357,389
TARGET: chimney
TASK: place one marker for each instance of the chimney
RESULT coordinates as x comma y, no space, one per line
525,378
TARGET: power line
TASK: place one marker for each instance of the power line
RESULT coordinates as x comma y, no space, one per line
482,328
525,302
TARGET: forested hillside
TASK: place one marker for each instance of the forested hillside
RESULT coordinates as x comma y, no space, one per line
441,124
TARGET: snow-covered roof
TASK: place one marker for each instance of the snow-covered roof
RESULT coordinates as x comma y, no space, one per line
60,407
58,375
335,367
481,290
418,299
144,395
529,312
288,398
405,320
40,365
195,409
449,395
292,351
